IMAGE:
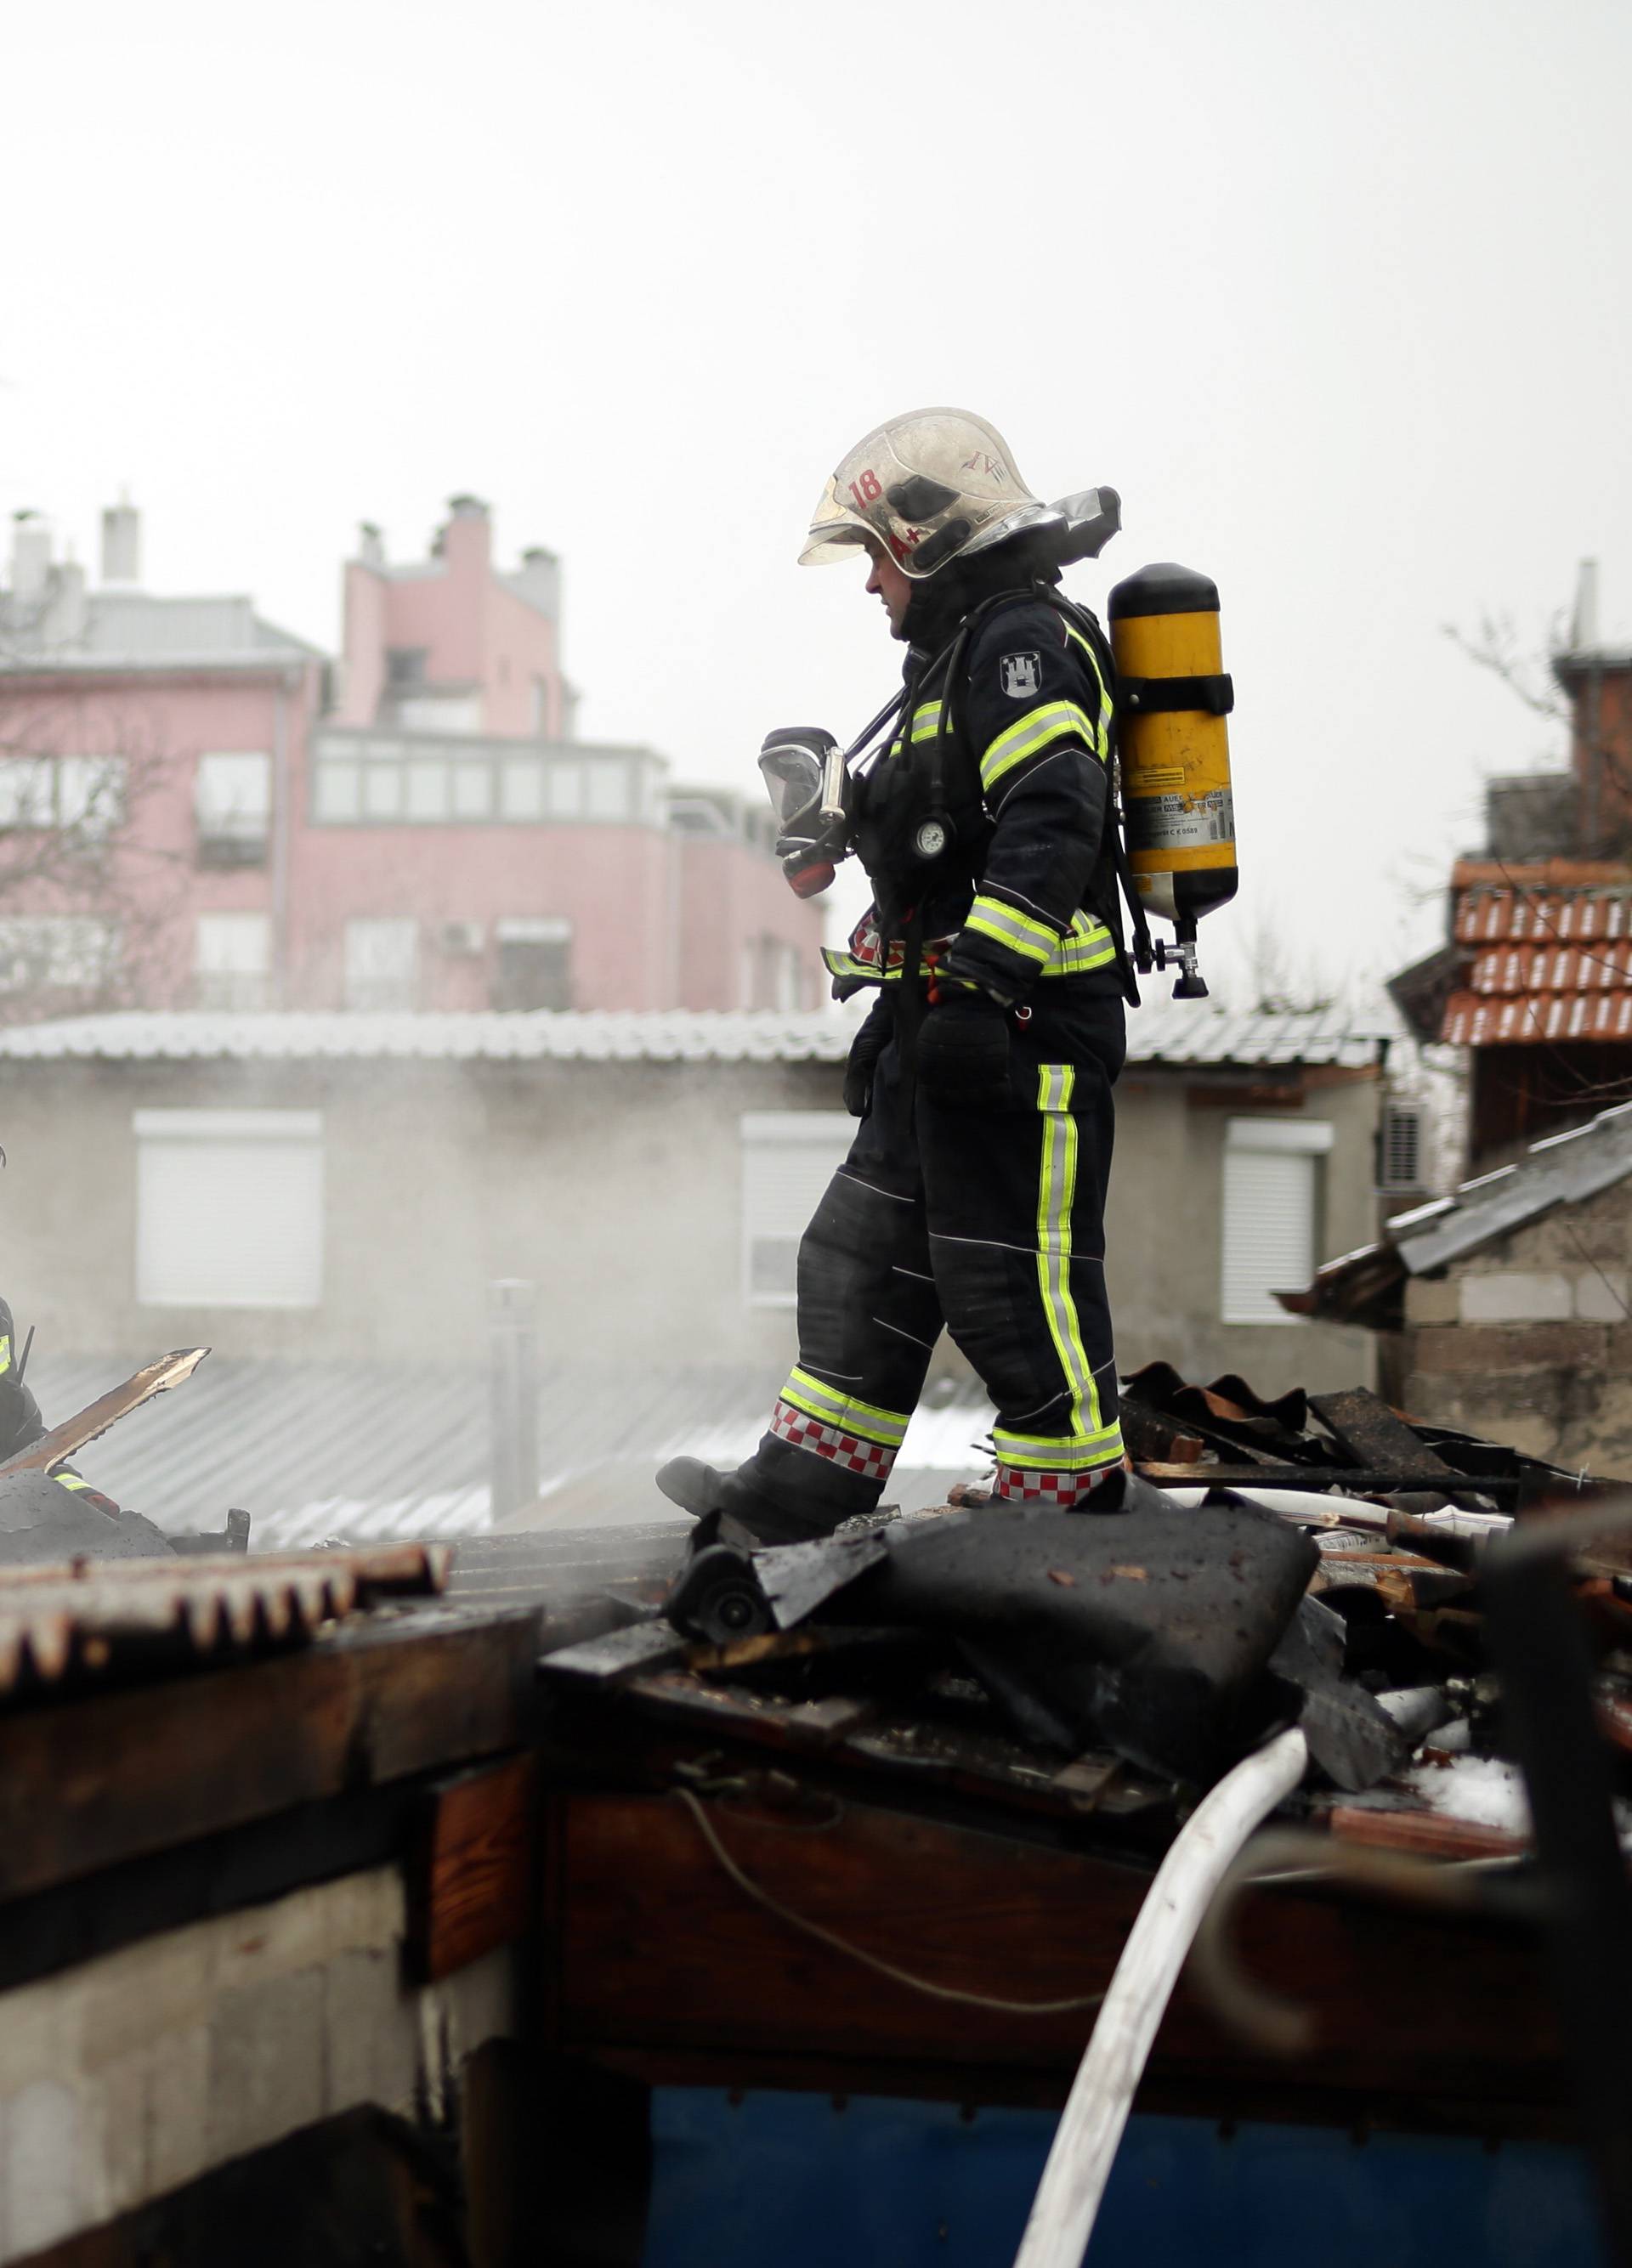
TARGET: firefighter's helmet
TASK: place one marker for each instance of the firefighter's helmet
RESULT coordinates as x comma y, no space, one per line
930,487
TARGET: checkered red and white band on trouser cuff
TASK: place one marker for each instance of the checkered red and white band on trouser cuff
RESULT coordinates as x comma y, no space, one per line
1020,1484
867,1459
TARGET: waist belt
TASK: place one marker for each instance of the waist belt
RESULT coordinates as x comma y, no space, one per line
1088,945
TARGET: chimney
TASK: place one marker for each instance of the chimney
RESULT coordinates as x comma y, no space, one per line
1583,625
372,545
30,558
65,616
465,540
540,580
122,543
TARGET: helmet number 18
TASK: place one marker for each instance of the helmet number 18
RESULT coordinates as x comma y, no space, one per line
866,490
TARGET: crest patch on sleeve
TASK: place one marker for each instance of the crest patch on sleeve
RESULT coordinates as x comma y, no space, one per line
1020,675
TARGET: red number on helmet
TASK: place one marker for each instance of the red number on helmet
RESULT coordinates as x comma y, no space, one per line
866,490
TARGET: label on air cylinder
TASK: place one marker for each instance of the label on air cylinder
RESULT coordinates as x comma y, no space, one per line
1180,822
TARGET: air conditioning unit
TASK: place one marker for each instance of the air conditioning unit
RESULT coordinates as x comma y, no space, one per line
461,938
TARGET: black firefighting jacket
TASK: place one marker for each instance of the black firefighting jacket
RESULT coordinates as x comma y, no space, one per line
1019,896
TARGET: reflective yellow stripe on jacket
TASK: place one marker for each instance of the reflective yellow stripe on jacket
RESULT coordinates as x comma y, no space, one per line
1029,735
1086,946
1101,743
925,722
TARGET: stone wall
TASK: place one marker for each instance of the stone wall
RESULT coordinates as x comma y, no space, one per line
1529,1340
130,2075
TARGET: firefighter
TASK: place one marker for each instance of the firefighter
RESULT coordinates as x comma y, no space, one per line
973,1195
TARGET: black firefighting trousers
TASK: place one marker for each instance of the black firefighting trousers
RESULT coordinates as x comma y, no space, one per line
986,1218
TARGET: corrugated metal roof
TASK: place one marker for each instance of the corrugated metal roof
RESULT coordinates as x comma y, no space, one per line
1168,1031
1189,1032
1561,1169
371,1451
668,1036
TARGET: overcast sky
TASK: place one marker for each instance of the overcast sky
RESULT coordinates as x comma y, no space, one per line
1337,296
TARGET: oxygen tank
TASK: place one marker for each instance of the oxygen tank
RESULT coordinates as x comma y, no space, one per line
1172,699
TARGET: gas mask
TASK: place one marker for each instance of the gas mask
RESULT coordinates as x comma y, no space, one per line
805,779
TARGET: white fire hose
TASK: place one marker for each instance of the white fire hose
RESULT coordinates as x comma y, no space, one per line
1090,2127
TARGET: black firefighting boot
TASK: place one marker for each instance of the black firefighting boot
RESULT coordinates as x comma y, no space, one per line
736,1511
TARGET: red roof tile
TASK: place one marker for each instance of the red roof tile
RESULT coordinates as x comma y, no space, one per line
1475,1020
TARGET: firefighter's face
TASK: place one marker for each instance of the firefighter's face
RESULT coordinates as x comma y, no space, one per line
886,581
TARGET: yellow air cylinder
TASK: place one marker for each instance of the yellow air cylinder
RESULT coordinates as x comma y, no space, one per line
1172,700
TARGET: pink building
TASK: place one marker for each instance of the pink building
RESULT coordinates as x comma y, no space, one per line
196,809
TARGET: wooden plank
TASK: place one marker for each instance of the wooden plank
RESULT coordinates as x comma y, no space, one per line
658,1949
1428,1834
89,1783
1318,1479
616,1656
758,1717
471,1880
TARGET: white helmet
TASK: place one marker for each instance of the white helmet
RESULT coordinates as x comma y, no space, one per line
929,487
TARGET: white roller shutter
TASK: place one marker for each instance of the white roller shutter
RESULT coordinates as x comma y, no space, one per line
1271,1214
229,1208
788,1158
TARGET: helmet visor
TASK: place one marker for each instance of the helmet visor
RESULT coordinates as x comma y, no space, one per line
835,530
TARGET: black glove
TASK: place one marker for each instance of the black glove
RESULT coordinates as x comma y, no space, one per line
963,1050
865,1049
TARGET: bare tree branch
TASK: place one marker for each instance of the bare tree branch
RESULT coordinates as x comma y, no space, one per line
1496,647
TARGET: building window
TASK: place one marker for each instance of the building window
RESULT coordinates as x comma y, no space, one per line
233,799
229,1208
405,665
534,964
83,793
72,953
382,791
770,975
473,790
609,796
337,793
1400,1146
788,1158
427,789
91,794
564,787
232,960
381,964
520,788
26,793
1270,1213
439,712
